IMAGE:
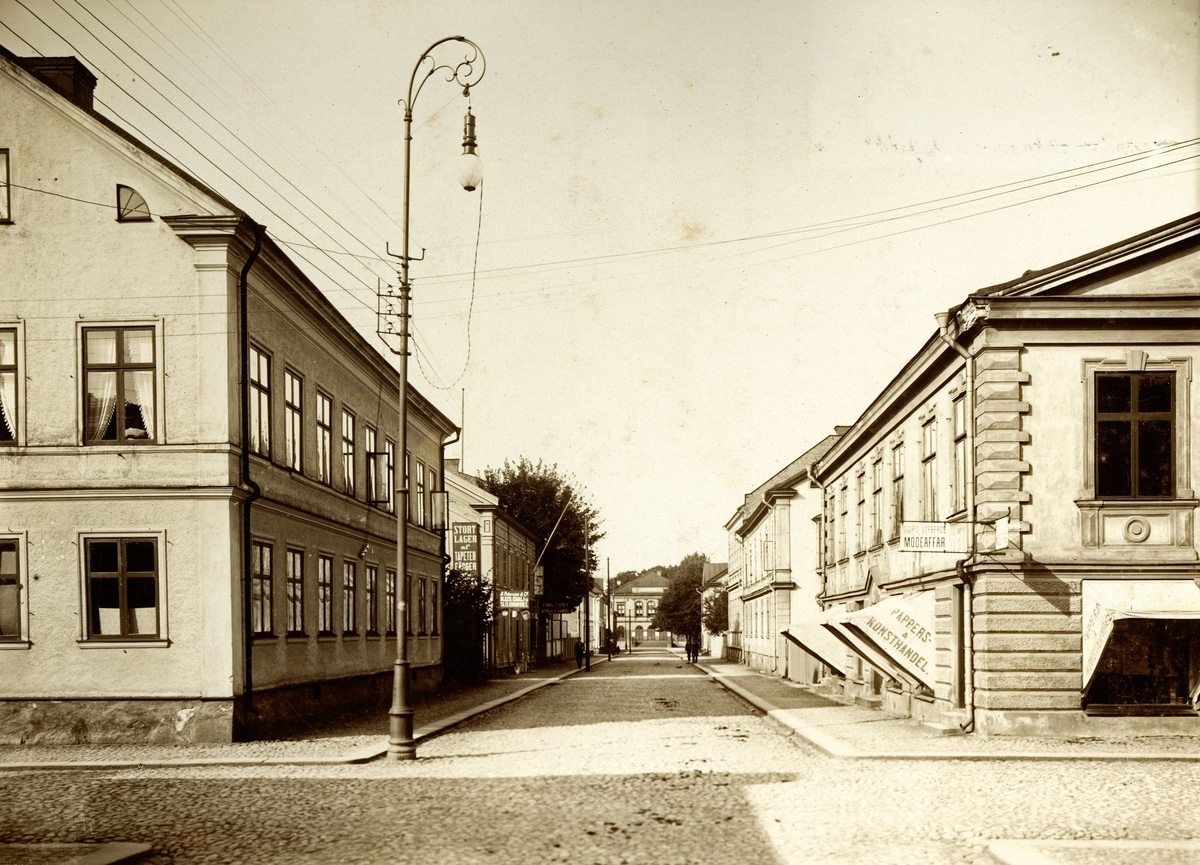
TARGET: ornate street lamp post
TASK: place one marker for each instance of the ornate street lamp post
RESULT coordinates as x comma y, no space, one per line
400,717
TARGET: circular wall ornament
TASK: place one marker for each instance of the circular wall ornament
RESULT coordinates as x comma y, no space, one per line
1136,530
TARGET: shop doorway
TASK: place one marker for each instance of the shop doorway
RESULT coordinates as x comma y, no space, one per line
1149,667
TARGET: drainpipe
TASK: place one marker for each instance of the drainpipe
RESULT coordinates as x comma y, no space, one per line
253,490
968,648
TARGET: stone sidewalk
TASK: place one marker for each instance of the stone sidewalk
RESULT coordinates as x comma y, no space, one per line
842,729
355,741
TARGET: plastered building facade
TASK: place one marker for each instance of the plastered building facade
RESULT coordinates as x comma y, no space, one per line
1009,528
124,612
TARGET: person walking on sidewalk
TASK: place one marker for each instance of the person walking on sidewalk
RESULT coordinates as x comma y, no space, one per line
578,654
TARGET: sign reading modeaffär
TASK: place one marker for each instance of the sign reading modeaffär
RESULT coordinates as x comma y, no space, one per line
934,537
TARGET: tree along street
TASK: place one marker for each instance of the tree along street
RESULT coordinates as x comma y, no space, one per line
644,760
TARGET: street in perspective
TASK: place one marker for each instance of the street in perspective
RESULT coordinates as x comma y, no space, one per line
790,461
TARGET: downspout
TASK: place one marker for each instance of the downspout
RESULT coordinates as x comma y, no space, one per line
968,647
252,489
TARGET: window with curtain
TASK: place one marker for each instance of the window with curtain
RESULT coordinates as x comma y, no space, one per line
293,416
325,596
10,591
260,403
372,599
122,588
261,571
324,438
349,598
8,386
389,601
295,592
119,373
348,451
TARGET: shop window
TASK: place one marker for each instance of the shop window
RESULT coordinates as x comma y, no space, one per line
1135,435
8,386
293,418
324,439
1149,667
119,381
295,593
122,588
261,570
11,590
325,596
260,403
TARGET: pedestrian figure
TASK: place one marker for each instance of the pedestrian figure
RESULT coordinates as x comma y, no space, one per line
578,654
687,648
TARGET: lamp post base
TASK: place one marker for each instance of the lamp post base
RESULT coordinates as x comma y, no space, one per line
401,745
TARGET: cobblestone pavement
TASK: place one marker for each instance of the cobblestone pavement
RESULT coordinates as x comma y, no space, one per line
644,760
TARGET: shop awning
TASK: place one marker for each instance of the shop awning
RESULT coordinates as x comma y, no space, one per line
1105,601
837,623
818,642
895,635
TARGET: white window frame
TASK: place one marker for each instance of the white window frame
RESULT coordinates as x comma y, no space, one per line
22,641
160,405
164,618
19,358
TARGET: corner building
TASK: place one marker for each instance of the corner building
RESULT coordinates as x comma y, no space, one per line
1037,454
126,610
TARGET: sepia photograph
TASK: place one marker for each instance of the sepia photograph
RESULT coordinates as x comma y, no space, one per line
678,432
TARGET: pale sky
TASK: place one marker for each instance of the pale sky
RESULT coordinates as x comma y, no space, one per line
656,309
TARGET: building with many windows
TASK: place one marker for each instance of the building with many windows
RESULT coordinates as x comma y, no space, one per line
1009,539
490,545
774,573
635,602
199,533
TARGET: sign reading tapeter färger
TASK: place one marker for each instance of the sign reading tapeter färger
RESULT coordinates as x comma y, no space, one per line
466,548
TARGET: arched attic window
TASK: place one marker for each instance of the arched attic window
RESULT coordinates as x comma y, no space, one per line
131,207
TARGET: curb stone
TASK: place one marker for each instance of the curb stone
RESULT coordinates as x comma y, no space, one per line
835,747
110,853
362,754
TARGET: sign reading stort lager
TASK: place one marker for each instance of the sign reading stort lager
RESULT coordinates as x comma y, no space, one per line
514,600
466,549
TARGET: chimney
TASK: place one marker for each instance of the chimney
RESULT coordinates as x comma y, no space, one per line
65,74
452,465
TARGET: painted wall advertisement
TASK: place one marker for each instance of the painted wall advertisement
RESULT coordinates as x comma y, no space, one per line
465,551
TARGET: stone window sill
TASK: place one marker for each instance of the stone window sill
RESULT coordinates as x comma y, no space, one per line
123,644
9,645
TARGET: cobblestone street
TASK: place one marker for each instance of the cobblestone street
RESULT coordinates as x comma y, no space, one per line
642,760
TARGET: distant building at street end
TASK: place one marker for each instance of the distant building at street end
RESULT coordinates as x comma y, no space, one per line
171,568
635,602
1009,529
773,574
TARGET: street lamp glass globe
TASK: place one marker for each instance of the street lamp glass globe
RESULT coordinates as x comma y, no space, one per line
470,171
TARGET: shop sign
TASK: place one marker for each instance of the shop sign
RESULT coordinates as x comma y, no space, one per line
923,537
514,600
465,552
903,629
